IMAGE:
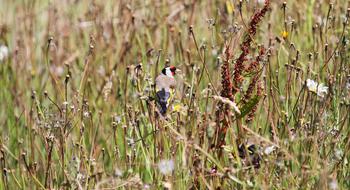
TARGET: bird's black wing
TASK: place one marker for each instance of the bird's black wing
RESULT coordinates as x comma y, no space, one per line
162,99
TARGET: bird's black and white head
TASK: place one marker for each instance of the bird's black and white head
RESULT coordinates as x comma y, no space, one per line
169,71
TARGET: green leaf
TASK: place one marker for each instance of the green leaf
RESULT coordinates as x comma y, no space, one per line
246,108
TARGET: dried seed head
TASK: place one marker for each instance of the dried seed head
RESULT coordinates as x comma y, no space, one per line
33,94
284,5
67,79
50,40
240,5
191,29
167,62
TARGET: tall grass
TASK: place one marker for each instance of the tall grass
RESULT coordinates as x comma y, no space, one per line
78,106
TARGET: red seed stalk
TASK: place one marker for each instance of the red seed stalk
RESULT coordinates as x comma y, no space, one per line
245,46
223,112
254,69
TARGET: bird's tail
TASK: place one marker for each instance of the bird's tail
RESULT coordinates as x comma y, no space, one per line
163,107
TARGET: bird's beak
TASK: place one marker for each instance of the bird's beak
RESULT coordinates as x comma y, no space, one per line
178,71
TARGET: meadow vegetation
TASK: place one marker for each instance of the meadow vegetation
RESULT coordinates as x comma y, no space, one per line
262,101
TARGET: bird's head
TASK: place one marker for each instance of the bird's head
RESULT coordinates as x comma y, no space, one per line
170,71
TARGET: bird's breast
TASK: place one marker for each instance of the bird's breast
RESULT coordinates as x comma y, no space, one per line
165,82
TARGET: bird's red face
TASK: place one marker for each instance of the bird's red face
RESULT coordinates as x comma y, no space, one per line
173,69
169,71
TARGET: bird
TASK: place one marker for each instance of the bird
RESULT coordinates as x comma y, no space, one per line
165,82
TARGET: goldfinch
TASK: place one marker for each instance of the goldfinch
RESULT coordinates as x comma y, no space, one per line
165,82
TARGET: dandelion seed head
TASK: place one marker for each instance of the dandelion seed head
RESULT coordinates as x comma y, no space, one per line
338,154
118,172
4,52
311,85
268,150
117,119
320,89
333,185
166,166
86,114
